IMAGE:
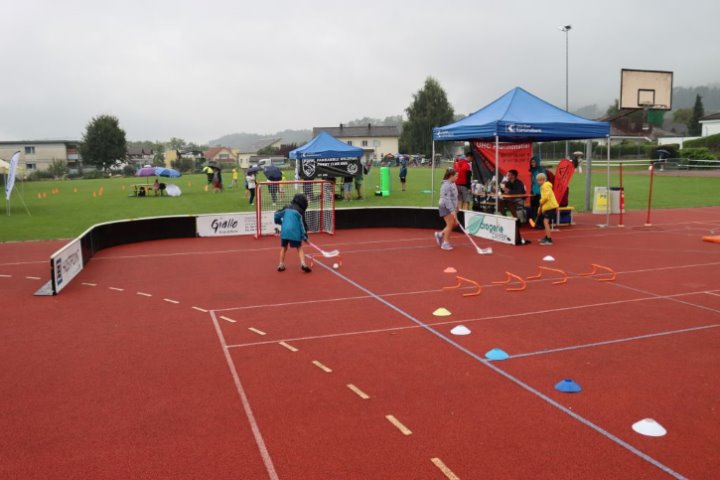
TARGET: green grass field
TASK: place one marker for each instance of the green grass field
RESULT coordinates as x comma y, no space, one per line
68,213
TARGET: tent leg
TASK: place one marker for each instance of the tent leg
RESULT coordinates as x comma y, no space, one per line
432,176
497,173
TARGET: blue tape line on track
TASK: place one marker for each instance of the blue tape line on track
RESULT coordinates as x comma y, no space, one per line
513,379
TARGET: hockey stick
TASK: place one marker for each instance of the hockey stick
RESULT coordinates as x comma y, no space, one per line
330,254
481,251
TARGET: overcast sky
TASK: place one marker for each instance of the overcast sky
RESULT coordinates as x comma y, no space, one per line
200,70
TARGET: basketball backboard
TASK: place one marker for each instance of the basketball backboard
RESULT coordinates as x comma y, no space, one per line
646,89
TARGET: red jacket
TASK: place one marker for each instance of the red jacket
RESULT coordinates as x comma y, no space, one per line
462,167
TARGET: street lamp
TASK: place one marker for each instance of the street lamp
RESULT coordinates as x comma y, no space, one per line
566,29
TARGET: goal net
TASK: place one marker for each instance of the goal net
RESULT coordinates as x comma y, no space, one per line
272,196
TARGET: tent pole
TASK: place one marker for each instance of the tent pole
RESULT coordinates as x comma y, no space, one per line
432,176
588,174
497,172
607,214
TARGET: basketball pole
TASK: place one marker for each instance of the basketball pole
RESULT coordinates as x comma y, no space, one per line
652,174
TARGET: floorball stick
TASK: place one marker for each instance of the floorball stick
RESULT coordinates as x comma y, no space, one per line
330,254
481,251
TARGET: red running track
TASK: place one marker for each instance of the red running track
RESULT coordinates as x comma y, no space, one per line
196,359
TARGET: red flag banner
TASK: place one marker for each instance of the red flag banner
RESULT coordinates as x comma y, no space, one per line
511,155
563,174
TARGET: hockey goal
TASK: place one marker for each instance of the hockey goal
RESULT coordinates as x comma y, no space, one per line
272,196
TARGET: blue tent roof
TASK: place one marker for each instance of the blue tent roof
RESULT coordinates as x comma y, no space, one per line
325,145
519,116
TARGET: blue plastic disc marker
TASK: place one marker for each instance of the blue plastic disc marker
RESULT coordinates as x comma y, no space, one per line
568,386
496,354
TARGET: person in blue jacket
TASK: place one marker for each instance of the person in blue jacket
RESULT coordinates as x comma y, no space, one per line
535,168
294,230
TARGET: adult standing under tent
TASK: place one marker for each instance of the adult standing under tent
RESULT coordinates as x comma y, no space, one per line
518,116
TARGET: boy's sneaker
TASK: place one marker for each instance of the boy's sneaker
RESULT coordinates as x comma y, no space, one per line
281,267
305,268
438,238
446,246
546,242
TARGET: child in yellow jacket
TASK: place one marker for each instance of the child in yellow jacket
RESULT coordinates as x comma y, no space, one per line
548,206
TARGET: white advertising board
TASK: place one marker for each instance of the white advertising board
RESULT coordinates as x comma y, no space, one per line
66,264
225,225
497,228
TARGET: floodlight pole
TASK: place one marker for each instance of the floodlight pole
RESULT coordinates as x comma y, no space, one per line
566,29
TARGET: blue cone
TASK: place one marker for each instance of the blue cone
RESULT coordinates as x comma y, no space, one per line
568,386
496,354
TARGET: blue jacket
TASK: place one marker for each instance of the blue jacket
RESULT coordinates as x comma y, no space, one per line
535,187
293,227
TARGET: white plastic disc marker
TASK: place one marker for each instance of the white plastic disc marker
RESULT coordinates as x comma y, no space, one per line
649,427
460,330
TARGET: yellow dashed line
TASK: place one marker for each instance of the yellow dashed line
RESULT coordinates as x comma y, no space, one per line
359,392
227,319
169,300
200,309
288,346
444,469
399,425
145,294
255,330
322,367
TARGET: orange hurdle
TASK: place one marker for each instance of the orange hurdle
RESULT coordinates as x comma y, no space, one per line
460,280
595,270
557,282
509,278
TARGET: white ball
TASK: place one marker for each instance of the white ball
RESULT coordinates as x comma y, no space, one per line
336,266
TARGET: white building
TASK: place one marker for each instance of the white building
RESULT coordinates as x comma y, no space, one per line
376,141
37,155
710,125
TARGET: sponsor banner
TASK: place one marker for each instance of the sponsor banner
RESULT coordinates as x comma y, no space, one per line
322,168
512,156
226,225
66,264
10,183
497,228
563,173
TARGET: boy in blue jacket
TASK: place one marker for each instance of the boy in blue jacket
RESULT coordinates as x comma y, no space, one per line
294,230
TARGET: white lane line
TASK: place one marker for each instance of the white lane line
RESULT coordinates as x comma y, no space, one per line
259,441
398,424
144,294
170,300
116,289
713,293
288,346
89,284
444,469
200,309
33,278
5,276
228,319
255,330
358,392
611,342
322,367
479,319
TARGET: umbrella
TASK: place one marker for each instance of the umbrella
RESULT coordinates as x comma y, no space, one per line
663,153
145,172
273,173
207,169
167,172
253,169
578,153
173,190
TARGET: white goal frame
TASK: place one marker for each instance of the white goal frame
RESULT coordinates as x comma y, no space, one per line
320,214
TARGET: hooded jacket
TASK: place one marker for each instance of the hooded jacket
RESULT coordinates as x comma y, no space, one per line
535,190
292,219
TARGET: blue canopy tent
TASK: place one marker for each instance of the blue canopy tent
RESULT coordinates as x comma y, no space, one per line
326,156
519,116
